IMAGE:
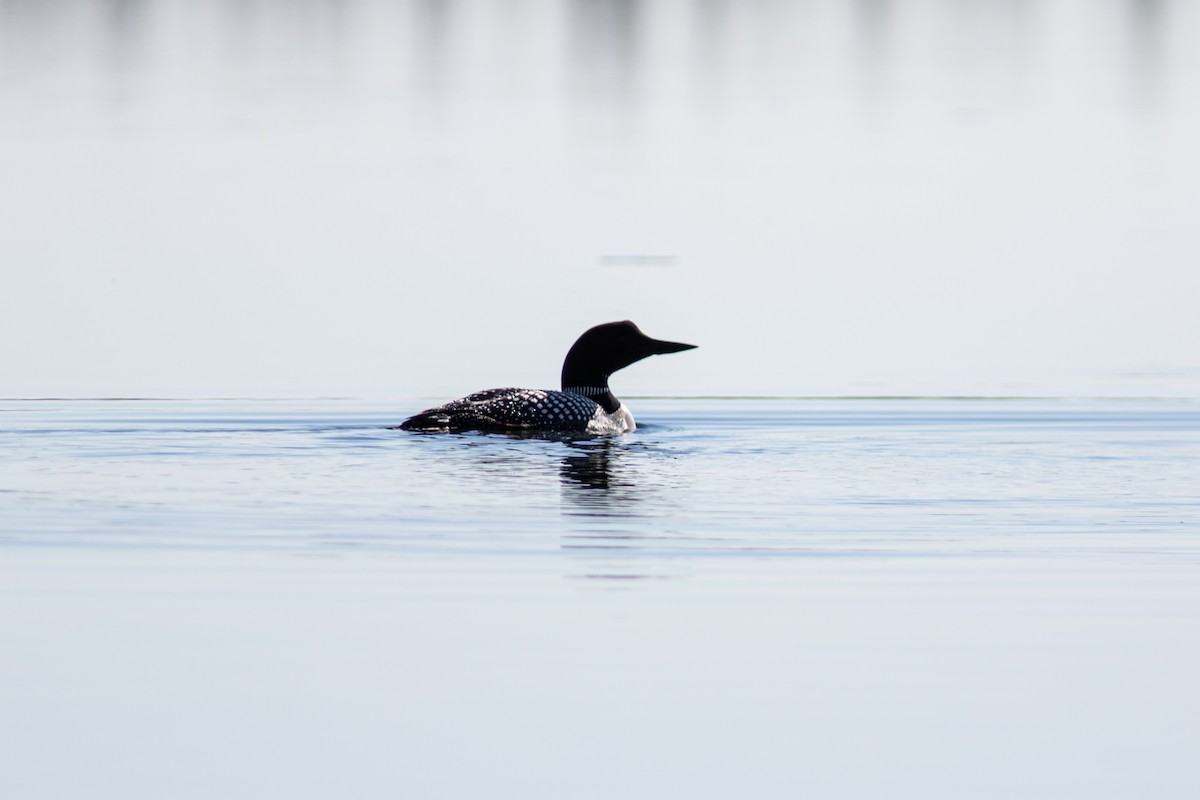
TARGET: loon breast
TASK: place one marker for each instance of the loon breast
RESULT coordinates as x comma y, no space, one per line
511,409
619,421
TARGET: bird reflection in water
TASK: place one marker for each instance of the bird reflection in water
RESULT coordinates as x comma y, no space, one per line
597,481
601,501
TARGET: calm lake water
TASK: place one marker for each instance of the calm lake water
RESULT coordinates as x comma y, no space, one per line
759,597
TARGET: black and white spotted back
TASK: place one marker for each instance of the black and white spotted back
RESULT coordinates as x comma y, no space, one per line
509,409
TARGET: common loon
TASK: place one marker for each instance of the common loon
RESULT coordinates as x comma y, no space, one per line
585,404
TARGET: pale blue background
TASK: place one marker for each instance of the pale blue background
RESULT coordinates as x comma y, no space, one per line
399,198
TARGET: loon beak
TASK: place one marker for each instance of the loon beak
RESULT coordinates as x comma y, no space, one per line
658,347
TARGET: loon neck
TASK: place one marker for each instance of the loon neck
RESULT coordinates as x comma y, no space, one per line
599,392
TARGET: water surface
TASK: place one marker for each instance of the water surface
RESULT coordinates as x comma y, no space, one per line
918,598
788,476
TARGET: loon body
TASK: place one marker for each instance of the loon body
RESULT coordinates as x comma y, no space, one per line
585,404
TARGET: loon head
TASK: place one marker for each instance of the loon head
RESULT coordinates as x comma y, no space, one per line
606,348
